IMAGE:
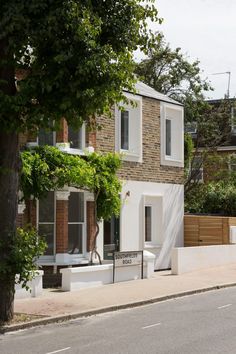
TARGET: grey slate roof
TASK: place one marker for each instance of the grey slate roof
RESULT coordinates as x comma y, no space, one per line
147,91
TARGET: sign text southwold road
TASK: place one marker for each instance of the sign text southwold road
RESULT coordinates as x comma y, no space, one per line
129,258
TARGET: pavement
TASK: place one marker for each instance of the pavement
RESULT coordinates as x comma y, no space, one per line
55,305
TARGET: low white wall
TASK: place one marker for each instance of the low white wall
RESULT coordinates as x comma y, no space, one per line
92,276
36,286
188,259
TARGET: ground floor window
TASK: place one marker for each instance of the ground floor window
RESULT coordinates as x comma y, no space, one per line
76,221
152,220
46,221
148,223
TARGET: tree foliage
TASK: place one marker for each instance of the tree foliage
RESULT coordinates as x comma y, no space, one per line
71,58
212,198
171,72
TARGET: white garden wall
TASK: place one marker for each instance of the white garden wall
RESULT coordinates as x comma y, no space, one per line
92,276
188,259
35,285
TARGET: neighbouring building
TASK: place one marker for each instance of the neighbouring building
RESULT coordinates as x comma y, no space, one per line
149,134
221,158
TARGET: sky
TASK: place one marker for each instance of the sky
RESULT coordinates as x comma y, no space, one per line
205,30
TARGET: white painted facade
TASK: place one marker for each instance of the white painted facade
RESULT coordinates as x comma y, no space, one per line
167,219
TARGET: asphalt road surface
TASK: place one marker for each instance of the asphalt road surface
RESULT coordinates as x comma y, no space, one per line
203,323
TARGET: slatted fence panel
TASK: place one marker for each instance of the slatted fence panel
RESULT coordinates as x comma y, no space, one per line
207,230
191,231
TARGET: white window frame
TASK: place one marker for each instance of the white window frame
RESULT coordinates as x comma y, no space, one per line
156,204
36,142
48,257
177,136
134,153
84,223
76,151
191,127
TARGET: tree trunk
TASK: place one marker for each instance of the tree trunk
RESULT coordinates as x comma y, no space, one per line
6,299
9,172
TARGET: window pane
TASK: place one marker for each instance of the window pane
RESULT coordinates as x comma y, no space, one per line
47,232
148,224
75,138
76,207
46,208
45,137
75,237
125,130
168,137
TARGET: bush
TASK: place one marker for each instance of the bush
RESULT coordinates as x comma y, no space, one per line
23,253
213,198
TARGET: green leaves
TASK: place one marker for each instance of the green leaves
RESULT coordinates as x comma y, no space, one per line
25,249
171,72
71,58
47,168
212,198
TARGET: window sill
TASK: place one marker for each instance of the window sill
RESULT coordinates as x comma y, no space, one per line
169,161
130,156
73,151
151,245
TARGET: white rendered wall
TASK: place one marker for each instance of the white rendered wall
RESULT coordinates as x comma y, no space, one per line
188,259
92,276
132,219
35,285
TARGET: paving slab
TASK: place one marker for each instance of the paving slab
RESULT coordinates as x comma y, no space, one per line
54,303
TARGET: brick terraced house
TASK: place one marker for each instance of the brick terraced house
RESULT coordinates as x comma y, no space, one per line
149,134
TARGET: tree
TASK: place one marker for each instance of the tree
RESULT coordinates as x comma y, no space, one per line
170,72
59,59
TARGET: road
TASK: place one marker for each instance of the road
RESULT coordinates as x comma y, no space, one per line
203,323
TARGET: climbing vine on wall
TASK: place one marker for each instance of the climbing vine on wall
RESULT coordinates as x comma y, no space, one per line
46,168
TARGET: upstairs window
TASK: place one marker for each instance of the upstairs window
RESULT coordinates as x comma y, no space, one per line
46,137
191,127
124,130
128,129
76,138
168,137
172,135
